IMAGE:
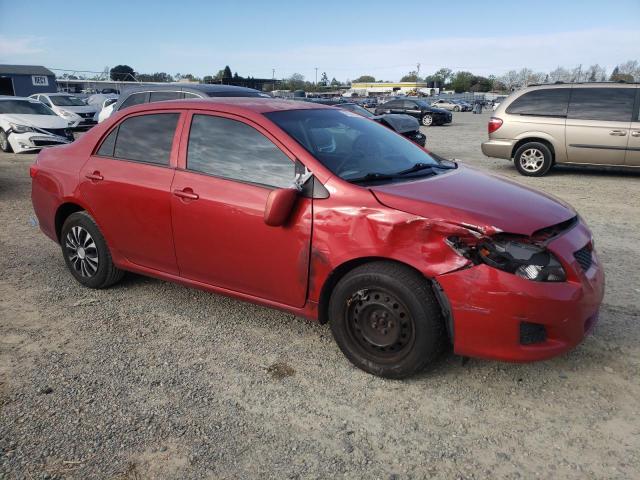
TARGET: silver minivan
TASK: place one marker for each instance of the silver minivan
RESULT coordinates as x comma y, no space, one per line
579,123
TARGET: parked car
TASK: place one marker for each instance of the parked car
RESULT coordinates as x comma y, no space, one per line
580,124
447,105
102,101
176,91
70,107
405,125
369,102
324,214
27,125
464,105
420,109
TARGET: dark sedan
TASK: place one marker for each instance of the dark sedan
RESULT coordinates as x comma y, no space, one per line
425,113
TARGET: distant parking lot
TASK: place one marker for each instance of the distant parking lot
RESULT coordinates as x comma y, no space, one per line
151,379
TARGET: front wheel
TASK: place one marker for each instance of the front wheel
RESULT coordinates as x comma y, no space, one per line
386,320
427,120
5,146
456,109
86,253
533,159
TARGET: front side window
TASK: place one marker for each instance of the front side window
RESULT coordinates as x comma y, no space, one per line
605,104
234,150
135,99
547,102
145,138
350,146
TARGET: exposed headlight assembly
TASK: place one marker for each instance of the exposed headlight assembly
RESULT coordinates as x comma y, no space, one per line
66,114
525,260
21,128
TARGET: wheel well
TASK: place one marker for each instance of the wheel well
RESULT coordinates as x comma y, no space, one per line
533,139
338,273
63,213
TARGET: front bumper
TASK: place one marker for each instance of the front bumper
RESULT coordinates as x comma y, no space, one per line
33,141
441,119
489,306
498,148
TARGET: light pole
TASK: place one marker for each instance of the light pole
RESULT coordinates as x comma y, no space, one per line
316,77
273,79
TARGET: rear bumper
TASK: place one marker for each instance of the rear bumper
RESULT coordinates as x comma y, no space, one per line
488,306
498,148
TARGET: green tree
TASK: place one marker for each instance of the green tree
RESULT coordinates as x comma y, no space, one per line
410,77
365,79
121,73
334,82
462,82
324,80
226,73
443,75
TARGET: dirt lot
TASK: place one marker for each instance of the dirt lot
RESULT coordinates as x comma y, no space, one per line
149,379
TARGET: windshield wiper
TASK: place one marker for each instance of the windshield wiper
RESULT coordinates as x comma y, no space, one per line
424,166
372,176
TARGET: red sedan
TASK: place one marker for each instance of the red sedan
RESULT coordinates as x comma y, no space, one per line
328,215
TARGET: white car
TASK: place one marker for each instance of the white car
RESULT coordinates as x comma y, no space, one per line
69,107
28,125
107,109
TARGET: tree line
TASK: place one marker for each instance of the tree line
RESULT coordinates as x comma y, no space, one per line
460,81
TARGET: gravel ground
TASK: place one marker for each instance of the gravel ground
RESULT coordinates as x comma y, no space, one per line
153,380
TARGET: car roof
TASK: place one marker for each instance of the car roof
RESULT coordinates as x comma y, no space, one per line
230,104
196,88
11,97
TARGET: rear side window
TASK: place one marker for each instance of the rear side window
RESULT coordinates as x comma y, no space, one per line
109,143
234,150
161,96
548,102
145,138
191,95
606,104
134,99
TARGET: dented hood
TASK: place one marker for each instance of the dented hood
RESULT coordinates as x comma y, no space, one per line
467,196
399,122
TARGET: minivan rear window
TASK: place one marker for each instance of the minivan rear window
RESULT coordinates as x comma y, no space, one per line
547,102
605,104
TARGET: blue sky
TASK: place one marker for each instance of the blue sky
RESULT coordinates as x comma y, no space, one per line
346,39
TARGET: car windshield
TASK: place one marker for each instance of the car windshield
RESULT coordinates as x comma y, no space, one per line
352,107
25,107
353,147
65,101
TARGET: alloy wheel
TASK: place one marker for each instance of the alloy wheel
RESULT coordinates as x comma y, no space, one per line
427,120
82,251
531,160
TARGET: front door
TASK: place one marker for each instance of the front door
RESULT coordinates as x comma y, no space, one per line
218,198
598,125
127,184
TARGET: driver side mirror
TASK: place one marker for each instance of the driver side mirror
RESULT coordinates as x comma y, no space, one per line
280,203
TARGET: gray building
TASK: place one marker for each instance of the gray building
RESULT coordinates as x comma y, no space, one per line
24,80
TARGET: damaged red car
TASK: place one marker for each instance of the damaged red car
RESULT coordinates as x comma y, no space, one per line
327,215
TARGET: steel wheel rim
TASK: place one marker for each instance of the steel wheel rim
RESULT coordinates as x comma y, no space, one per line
82,252
532,160
380,325
427,120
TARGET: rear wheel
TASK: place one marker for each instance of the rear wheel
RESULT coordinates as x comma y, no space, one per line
427,120
86,253
5,146
386,320
533,159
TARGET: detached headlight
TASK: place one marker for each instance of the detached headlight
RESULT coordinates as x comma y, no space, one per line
522,259
21,128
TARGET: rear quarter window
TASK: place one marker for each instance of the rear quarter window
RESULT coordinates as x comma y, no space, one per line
548,102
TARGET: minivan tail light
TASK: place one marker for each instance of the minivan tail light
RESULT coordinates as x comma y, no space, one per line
494,124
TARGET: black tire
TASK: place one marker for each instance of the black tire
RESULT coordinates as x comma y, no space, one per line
386,320
456,109
533,159
5,146
86,253
427,120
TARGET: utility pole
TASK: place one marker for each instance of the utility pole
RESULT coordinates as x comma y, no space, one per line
273,79
316,76
417,72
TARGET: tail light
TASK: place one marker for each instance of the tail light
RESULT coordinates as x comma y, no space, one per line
33,170
494,124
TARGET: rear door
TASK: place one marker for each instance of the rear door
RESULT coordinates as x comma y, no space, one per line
633,147
598,124
126,183
228,166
